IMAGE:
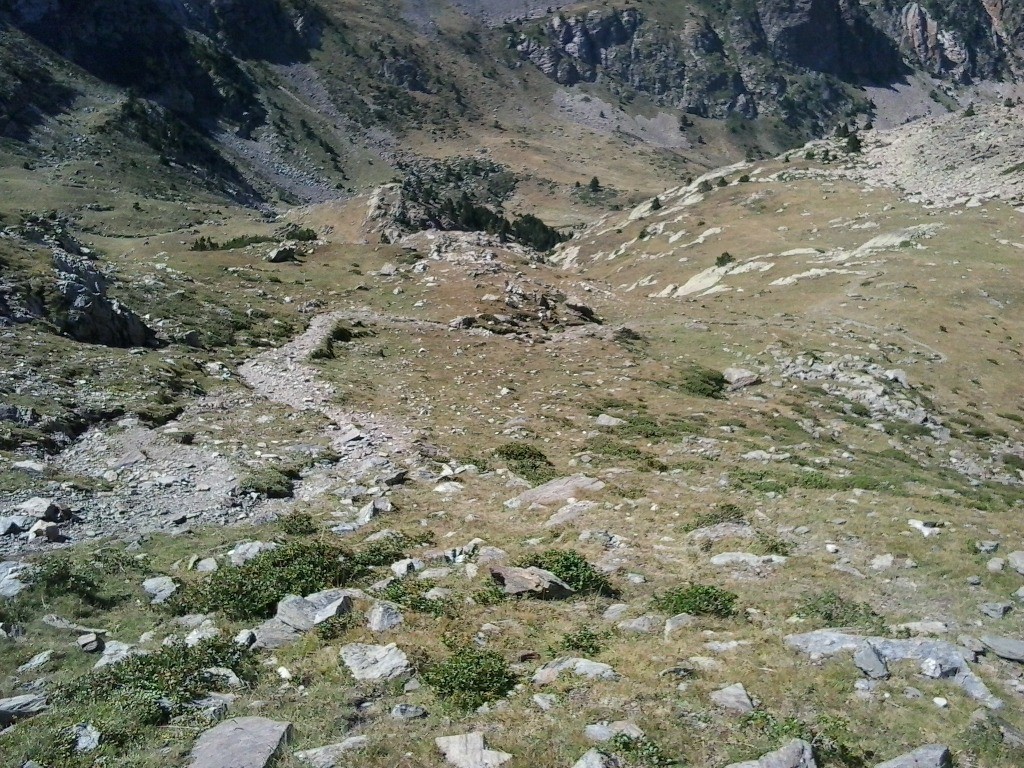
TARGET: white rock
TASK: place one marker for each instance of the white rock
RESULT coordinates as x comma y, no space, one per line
375,662
467,751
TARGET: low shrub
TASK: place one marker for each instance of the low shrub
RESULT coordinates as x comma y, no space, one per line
253,589
698,600
270,482
297,523
585,641
470,677
526,461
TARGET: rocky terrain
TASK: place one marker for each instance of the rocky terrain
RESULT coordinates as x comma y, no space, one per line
596,407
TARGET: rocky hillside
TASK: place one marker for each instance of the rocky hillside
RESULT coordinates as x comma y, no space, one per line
730,477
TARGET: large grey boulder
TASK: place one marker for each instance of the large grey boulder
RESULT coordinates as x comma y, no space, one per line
1016,561
159,588
20,707
591,670
738,378
870,662
241,742
796,754
530,582
383,617
825,643
375,662
928,756
11,584
556,491
467,750
606,731
733,698
42,509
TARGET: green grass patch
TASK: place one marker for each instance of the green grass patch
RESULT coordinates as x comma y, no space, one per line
528,462
835,611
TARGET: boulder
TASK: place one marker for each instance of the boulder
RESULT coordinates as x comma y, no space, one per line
42,509
383,616
607,731
375,662
738,378
733,698
407,712
281,254
530,582
796,754
159,588
870,662
596,759
241,742
1016,561
331,755
556,491
20,707
824,643
467,751
242,553
928,756
296,612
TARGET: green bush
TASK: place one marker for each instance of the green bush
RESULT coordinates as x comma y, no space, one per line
383,552
572,568
703,382
641,751
297,523
724,259
253,589
526,461
698,600
470,677
585,641
836,611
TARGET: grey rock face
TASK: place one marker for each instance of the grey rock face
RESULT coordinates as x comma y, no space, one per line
870,662
825,643
929,756
242,742
596,759
383,617
733,698
607,731
159,588
20,707
796,754
556,491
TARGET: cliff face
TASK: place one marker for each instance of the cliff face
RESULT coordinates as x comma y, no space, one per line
714,66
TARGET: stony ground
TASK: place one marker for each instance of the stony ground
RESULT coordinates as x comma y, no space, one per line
731,474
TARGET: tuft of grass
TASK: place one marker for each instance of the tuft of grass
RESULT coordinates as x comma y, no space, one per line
770,544
698,600
703,382
470,677
836,611
528,462
641,751
252,590
572,568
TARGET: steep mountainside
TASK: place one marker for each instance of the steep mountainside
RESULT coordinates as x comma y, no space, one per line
304,101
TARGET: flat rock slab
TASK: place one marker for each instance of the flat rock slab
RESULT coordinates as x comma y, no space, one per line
592,670
733,698
556,491
796,754
242,742
20,707
595,758
1005,647
825,643
375,662
929,756
10,583
467,751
